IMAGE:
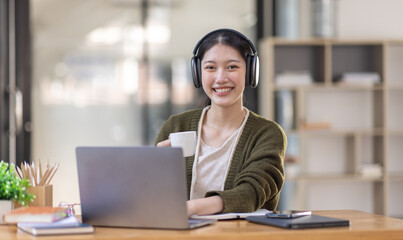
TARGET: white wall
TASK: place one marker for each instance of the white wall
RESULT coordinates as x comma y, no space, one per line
371,18
361,19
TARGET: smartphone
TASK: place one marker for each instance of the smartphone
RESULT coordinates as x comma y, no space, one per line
287,214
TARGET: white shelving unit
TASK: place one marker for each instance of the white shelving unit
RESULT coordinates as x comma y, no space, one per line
340,128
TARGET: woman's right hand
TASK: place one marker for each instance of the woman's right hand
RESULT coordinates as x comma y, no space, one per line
165,143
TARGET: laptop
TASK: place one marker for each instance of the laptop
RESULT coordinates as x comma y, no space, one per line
140,187
311,221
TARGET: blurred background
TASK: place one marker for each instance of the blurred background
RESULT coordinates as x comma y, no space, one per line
109,72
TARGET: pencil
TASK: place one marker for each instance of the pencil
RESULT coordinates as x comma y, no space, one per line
53,173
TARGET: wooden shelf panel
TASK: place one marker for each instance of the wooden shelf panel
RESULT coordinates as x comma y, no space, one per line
395,177
337,177
394,86
331,41
346,132
395,132
329,87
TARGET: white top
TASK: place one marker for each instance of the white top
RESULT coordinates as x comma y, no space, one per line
211,165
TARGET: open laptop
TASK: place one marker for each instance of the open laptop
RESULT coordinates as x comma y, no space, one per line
142,187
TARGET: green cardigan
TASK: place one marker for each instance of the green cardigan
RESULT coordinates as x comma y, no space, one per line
256,174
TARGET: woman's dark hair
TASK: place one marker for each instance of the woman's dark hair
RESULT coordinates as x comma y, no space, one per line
227,38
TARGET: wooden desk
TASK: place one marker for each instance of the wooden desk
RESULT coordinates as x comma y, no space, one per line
362,226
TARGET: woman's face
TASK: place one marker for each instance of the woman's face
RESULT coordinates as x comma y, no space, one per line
223,75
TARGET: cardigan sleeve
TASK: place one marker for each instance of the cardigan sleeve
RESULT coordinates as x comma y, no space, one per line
186,121
257,169
165,130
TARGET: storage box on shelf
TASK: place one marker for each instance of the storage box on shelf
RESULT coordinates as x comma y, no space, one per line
343,101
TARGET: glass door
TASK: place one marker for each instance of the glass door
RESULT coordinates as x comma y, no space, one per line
15,81
110,72
4,113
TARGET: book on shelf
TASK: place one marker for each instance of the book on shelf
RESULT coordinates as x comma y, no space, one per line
360,78
371,170
293,78
229,216
35,214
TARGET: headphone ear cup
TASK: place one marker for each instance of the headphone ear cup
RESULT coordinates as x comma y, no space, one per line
253,73
196,73
248,70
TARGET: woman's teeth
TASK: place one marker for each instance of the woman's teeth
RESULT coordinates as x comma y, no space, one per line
222,90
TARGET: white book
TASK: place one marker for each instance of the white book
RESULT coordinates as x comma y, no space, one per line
68,225
70,221
363,78
38,231
293,79
227,216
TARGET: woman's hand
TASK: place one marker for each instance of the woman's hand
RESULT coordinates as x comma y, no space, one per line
165,143
205,206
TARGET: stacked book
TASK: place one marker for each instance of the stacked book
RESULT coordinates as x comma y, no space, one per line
371,170
360,78
293,78
46,221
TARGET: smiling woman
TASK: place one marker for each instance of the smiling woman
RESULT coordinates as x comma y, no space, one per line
238,162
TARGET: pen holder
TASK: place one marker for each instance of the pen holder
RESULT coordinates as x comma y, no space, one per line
43,195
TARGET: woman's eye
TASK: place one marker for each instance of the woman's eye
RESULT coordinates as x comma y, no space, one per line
209,67
232,67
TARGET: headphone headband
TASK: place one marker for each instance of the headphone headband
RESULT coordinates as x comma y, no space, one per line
196,49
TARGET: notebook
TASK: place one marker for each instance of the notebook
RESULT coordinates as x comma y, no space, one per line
312,221
45,230
141,187
233,215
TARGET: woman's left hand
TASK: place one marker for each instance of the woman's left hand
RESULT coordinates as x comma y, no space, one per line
165,143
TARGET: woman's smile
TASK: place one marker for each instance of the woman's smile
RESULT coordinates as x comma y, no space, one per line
222,90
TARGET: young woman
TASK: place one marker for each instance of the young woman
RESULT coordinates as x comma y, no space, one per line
238,163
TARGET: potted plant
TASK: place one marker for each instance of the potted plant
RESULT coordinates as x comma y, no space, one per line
12,189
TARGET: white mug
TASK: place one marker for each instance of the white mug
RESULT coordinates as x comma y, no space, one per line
185,140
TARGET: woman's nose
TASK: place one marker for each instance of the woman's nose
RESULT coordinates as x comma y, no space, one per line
221,75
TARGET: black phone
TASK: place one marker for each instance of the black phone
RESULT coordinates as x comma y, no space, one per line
287,214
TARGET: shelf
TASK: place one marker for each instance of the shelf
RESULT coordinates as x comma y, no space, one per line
343,132
337,177
338,127
297,58
330,41
395,177
333,41
356,58
290,42
330,87
394,86
395,132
